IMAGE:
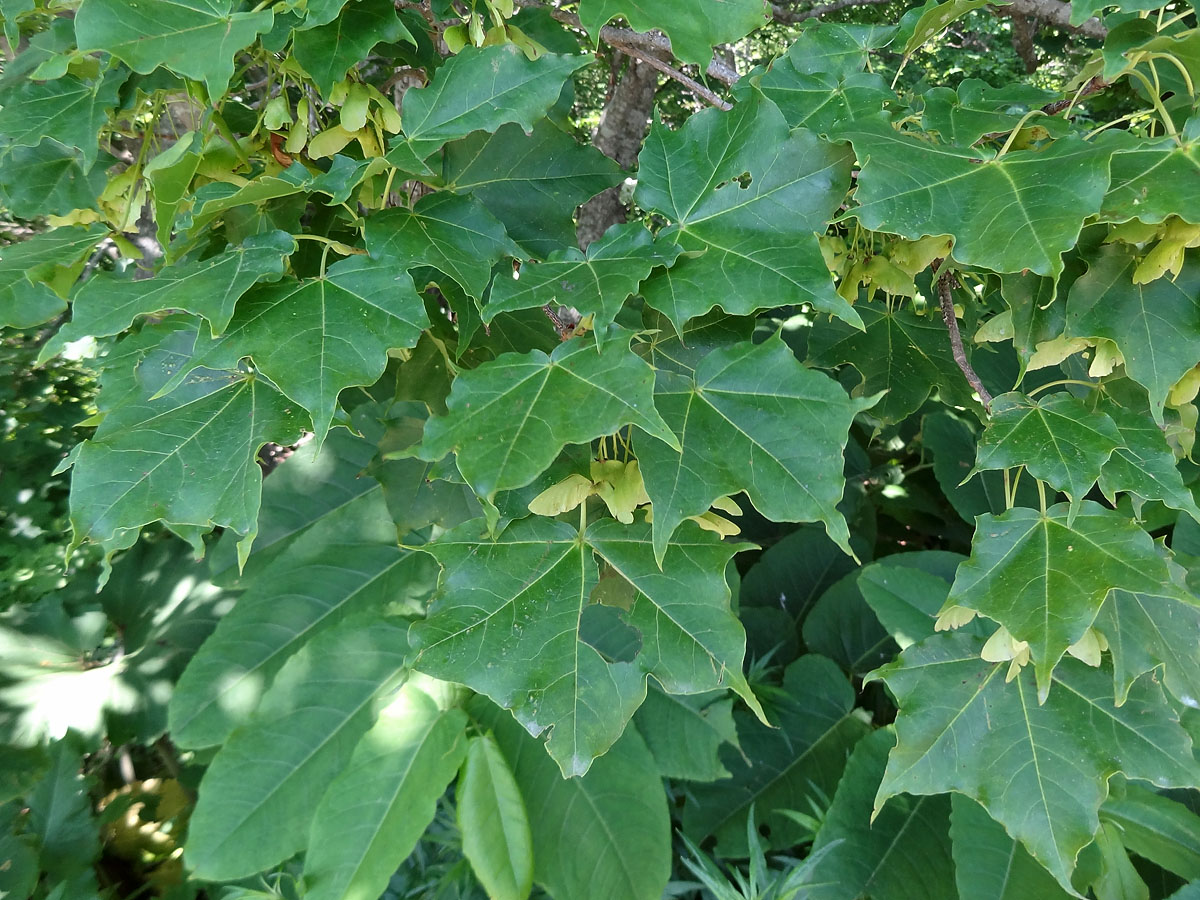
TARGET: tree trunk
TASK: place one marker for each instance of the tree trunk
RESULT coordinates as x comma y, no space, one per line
623,126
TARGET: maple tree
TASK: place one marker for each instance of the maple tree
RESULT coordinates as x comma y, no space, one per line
837,498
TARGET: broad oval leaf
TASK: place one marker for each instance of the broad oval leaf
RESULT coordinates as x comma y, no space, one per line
374,812
494,825
256,799
614,818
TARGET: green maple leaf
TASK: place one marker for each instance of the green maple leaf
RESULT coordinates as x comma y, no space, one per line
510,417
25,299
1156,326
530,182
50,179
1038,199
780,766
963,116
256,801
185,459
1057,438
1152,180
1148,629
1045,577
480,90
694,26
1144,465
313,338
328,51
755,245
210,288
1041,770
739,419
899,352
194,38
1036,315
596,283
454,234
508,623
823,102
69,110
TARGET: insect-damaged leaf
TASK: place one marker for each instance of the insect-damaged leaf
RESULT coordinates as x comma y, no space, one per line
507,622
1042,771
738,421
747,197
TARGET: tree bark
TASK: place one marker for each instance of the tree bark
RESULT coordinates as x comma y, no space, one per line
623,126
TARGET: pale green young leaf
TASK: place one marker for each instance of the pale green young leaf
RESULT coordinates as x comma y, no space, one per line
345,563
1038,200
374,812
901,852
510,417
328,51
614,819
1057,438
1156,326
695,27
754,243
494,823
1042,771
452,233
210,288
990,865
784,766
194,38
68,110
314,338
899,352
480,90
537,577
257,798
738,419
596,283
530,182
1045,577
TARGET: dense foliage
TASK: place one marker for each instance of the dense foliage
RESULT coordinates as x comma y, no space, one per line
837,502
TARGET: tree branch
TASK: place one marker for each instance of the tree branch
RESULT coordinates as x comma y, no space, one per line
945,280
690,83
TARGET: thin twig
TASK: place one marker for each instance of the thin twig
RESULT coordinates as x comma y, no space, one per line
670,71
1096,84
944,282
